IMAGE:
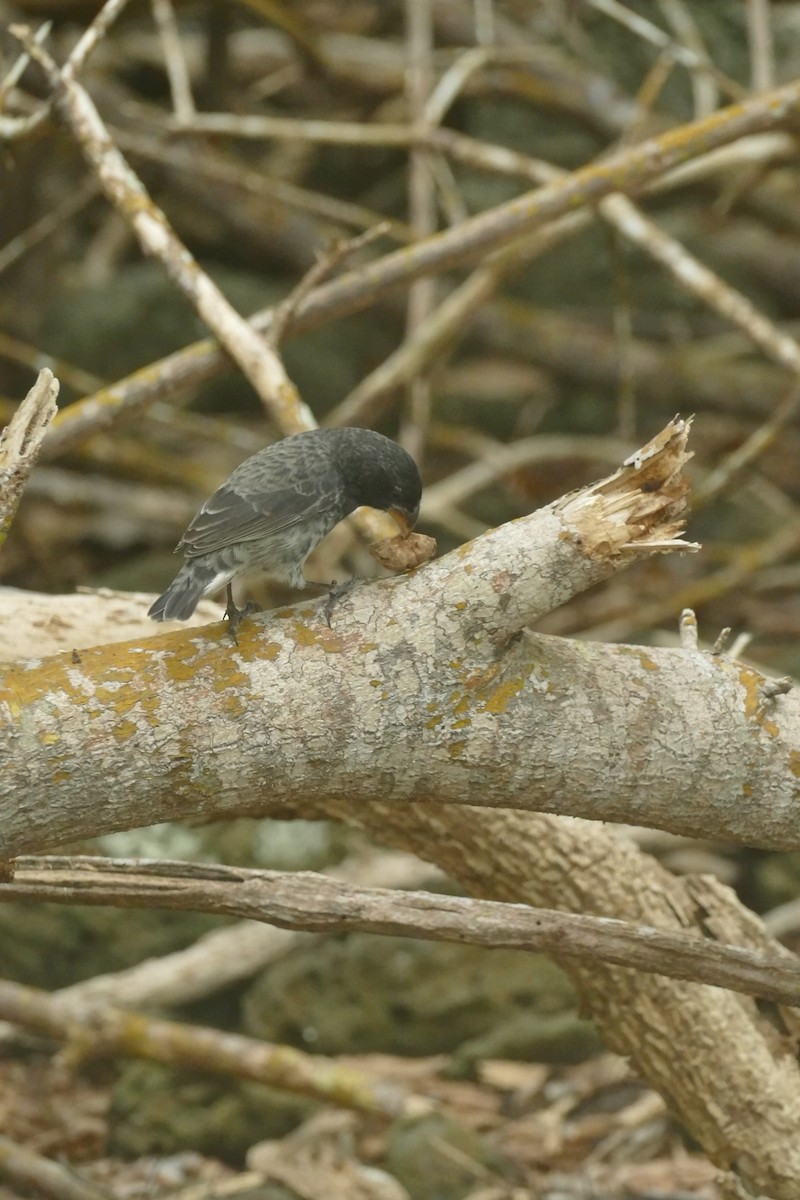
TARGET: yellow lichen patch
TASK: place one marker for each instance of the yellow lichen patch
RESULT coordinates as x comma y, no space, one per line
269,651
49,739
464,723
460,605
755,707
60,777
23,684
320,636
462,704
226,674
124,730
499,699
456,748
434,721
794,763
647,663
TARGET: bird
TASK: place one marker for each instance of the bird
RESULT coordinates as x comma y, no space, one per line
279,504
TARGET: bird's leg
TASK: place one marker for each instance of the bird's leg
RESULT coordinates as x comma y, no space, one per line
335,593
234,614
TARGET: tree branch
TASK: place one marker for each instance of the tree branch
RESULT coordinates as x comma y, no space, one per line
318,904
20,443
430,679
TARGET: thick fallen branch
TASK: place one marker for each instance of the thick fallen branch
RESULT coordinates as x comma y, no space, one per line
428,686
315,903
430,678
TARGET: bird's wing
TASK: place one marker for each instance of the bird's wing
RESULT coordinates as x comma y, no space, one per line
228,516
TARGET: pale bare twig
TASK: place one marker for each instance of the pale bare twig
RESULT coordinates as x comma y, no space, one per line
174,60
20,443
217,168
421,212
762,50
497,462
687,629
91,37
259,127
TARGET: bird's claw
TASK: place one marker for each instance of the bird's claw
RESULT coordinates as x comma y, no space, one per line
335,593
235,615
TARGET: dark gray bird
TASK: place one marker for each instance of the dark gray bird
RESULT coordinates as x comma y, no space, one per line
280,503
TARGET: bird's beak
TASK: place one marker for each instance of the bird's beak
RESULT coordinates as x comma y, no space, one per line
406,521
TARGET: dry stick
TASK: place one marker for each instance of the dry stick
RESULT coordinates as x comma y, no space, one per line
627,170
314,902
89,40
177,72
235,952
27,1170
20,443
687,270
94,1031
421,213
260,365
762,50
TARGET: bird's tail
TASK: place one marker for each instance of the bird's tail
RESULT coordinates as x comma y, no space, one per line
179,601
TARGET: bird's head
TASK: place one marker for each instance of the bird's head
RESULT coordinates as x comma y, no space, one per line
383,475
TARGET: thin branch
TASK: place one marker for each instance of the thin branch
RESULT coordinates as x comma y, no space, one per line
319,904
174,60
762,50
21,442
421,212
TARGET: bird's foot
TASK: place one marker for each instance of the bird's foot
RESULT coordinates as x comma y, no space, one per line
336,592
236,615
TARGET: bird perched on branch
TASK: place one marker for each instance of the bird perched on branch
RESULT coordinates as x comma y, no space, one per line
279,504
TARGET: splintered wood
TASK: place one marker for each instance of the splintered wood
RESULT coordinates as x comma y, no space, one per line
642,507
